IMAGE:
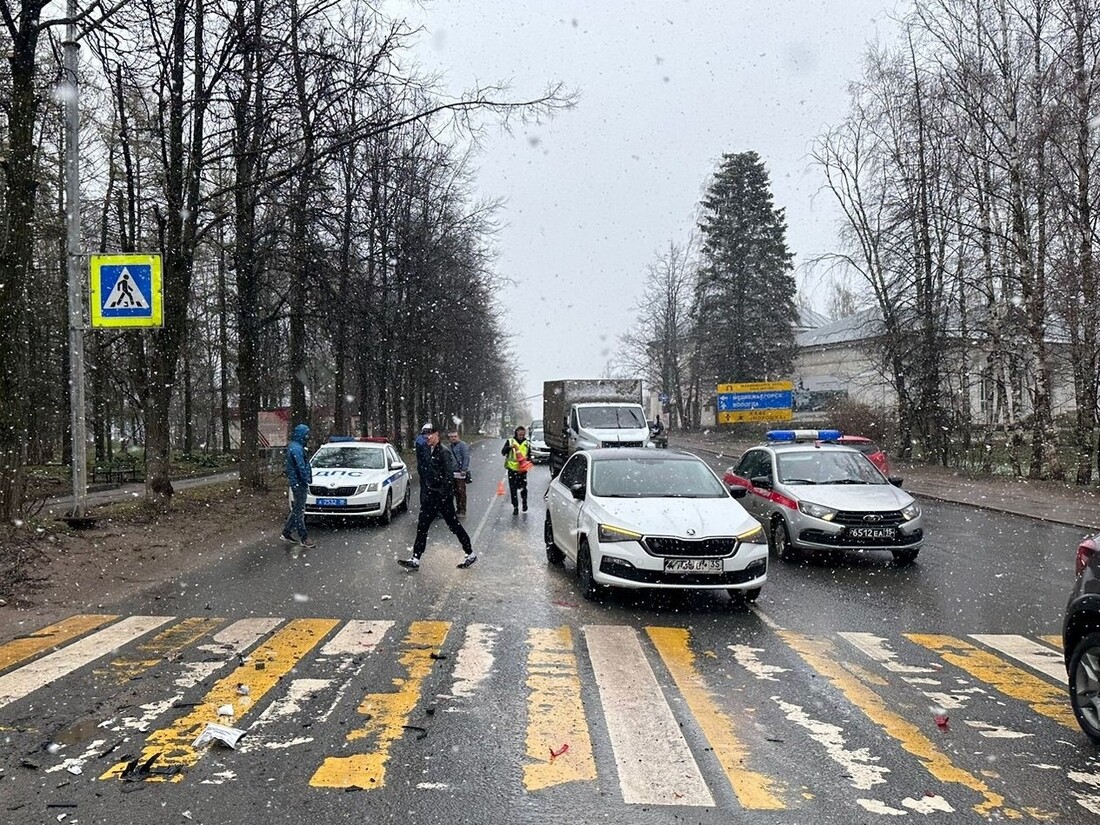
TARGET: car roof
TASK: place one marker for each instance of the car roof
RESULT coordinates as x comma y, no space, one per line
620,453
854,439
805,446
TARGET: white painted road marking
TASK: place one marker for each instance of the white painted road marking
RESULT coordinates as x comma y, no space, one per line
1032,654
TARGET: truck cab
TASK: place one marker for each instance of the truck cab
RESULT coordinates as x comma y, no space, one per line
605,424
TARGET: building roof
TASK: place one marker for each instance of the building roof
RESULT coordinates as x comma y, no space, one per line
811,319
864,325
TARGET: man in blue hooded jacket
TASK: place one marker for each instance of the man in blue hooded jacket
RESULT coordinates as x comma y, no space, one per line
300,476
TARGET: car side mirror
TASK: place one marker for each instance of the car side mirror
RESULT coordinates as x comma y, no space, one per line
737,491
763,482
396,465
896,480
578,490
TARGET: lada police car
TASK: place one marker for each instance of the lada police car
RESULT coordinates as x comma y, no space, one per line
358,477
813,495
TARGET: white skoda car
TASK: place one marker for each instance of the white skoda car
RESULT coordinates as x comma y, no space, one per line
631,517
364,477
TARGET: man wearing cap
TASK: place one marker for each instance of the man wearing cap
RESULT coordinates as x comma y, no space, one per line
437,499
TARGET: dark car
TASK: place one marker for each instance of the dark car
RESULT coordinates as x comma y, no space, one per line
1081,639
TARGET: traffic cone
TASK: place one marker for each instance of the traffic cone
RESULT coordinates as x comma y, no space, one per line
500,488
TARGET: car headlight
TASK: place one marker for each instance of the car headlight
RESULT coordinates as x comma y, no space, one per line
816,510
910,512
754,535
608,533
367,488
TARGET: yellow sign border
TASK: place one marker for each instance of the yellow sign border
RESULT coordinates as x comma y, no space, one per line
156,287
756,386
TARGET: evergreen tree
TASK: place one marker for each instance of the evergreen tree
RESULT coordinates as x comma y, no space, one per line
744,301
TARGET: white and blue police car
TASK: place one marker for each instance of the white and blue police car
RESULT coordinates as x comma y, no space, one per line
358,477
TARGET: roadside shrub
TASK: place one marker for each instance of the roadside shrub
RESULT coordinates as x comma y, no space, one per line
854,418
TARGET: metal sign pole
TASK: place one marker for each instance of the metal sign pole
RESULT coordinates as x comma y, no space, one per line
76,302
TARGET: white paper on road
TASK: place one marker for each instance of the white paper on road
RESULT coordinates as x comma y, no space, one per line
41,672
655,764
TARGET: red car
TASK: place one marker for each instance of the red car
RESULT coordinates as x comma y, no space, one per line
869,448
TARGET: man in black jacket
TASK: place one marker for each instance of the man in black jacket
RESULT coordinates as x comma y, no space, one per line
437,484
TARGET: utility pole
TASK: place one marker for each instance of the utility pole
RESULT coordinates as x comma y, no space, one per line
71,95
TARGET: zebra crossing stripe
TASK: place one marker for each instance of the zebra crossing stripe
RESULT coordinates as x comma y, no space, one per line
167,644
27,647
41,672
755,791
876,648
822,657
655,764
1022,649
555,713
1053,641
386,715
269,663
1043,698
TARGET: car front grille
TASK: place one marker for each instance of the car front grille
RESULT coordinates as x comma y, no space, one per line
332,492
849,518
621,444
692,548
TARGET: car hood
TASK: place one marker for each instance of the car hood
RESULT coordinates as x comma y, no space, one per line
858,497
342,477
703,517
632,434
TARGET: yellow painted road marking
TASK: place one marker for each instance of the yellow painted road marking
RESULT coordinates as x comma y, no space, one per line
278,655
386,715
555,713
164,645
822,657
755,791
19,650
1043,698
1056,641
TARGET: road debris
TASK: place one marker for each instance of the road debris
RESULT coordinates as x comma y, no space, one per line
225,710
941,720
243,689
421,733
31,764
437,656
219,733
554,754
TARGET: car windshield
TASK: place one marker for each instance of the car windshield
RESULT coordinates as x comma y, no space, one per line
536,435
612,418
827,467
351,458
654,478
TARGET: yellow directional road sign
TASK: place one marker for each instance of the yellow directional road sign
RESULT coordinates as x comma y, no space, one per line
127,291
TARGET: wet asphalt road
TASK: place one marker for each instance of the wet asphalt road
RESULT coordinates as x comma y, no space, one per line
854,692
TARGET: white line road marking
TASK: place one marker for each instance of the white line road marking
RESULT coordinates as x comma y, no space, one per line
655,764
357,637
475,659
996,731
858,764
300,693
876,648
41,672
1034,655
232,641
746,657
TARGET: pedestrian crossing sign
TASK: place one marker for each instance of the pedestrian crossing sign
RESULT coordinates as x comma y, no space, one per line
126,291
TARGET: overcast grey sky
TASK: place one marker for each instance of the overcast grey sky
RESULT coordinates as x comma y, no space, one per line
666,86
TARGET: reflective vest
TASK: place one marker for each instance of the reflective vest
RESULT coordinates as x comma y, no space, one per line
518,449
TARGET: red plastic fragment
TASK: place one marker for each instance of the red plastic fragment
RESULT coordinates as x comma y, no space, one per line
941,720
554,754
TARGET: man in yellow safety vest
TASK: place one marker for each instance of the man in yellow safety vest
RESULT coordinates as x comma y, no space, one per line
517,461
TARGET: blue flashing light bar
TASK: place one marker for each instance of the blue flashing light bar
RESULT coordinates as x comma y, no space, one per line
335,439
803,435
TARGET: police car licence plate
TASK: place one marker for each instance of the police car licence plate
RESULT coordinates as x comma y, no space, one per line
332,502
693,565
872,532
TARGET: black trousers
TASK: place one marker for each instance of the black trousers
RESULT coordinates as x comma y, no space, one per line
517,483
433,505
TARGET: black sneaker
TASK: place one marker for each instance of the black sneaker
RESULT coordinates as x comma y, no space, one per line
468,561
515,511
307,544
525,506
411,564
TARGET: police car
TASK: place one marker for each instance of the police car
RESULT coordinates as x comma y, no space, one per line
358,477
813,495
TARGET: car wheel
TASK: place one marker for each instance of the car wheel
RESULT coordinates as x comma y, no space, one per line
781,541
387,511
405,498
1084,685
590,589
554,554
905,557
743,598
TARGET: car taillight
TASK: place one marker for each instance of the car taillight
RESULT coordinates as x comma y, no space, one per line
1085,551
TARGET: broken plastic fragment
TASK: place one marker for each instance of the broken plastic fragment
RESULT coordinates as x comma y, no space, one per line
225,710
219,733
243,689
554,754
941,720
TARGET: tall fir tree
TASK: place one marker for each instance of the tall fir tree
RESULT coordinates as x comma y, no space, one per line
745,297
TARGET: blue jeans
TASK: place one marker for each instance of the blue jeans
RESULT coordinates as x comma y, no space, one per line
297,518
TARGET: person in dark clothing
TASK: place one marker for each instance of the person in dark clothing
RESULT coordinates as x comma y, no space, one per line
516,452
461,451
423,457
437,480
300,476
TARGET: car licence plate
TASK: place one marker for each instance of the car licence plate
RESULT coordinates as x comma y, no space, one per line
888,533
332,502
693,565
